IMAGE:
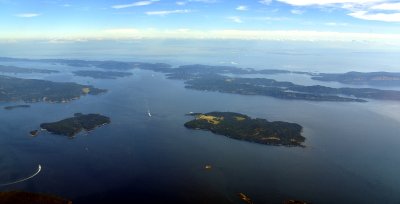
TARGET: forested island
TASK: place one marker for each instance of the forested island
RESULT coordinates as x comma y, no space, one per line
288,90
16,106
101,74
72,126
362,78
242,127
20,70
34,90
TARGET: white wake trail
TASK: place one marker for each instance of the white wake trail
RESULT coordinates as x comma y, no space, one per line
148,108
24,179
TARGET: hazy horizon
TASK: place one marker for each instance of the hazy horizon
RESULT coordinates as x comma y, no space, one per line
258,54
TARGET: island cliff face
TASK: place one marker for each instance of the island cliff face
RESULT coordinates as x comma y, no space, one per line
242,127
72,126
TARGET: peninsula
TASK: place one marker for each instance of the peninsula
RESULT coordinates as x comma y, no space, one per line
242,127
20,70
34,90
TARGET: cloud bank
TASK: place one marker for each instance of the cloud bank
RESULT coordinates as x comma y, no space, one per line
225,34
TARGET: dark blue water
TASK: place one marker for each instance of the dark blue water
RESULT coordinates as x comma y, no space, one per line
351,154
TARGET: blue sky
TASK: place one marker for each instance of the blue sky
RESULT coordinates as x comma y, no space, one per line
242,19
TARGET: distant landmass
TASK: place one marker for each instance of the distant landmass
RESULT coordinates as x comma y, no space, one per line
288,90
214,78
34,90
362,78
270,87
20,70
101,74
74,125
16,106
203,77
242,127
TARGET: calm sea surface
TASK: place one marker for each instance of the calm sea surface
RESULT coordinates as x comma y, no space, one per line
352,153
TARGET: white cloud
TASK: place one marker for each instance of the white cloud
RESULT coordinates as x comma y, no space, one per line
386,17
387,6
28,15
362,9
235,19
121,33
265,2
167,12
328,2
204,1
180,3
242,8
138,3
297,11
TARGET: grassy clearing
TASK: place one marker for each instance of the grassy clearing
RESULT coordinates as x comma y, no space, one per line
210,119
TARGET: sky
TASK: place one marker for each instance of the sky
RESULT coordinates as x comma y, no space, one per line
328,20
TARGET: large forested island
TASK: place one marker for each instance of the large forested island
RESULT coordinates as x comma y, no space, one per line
72,126
363,78
33,90
288,90
242,127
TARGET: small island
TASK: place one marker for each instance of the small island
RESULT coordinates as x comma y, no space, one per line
34,133
16,106
242,127
72,126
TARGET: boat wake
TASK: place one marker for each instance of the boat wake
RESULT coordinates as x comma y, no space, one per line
148,108
24,179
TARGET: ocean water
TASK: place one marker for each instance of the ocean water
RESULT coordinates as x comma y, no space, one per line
351,153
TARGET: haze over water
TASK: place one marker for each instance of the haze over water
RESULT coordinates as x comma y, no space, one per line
290,55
